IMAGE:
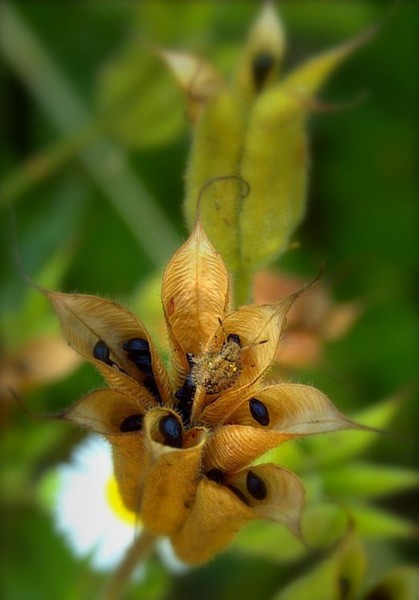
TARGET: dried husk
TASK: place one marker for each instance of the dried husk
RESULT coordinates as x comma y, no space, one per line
172,477
195,295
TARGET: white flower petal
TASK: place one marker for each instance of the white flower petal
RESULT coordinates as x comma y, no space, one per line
168,557
83,513
87,519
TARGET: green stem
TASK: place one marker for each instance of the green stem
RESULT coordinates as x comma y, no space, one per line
45,163
105,161
141,547
242,287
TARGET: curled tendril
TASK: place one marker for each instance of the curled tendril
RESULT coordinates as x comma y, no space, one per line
245,192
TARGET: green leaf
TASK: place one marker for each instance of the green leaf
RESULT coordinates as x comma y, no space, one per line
375,523
365,480
146,302
290,454
324,524
20,459
139,100
338,577
341,446
33,535
263,538
47,490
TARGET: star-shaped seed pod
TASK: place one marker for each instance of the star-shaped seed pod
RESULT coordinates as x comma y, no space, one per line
184,440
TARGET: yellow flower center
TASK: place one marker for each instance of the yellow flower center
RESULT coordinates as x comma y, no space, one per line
114,499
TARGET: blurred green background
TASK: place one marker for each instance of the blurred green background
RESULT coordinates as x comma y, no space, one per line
93,150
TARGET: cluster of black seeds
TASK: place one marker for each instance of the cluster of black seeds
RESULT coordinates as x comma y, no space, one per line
186,393
138,351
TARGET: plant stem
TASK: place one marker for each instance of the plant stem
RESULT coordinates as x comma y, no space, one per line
242,287
142,545
104,160
45,163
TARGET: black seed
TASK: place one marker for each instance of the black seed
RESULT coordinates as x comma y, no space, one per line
215,475
186,393
256,486
344,587
131,423
136,345
259,411
171,430
262,64
101,352
239,494
139,353
150,384
143,364
233,337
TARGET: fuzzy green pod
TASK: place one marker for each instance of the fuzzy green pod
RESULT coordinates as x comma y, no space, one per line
253,131
215,153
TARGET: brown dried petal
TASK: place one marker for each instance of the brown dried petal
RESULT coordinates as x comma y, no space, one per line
198,78
114,414
194,295
129,464
42,360
259,329
279,495
233,447
87,319
124,383
293,409
219,411
104,410
172,475
215,518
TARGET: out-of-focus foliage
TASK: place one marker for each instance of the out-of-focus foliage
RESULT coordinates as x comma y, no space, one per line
361,221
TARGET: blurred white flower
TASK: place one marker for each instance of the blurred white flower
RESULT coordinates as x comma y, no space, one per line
89,511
